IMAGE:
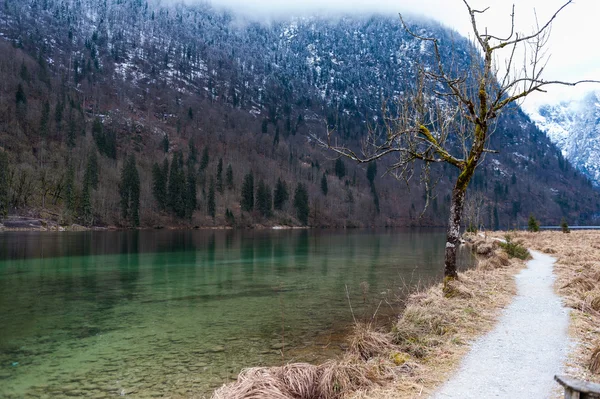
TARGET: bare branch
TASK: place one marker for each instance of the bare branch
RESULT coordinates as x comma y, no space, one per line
535,34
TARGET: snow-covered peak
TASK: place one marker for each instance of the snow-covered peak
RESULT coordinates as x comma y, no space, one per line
574,126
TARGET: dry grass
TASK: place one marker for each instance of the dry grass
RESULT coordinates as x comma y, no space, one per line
578,282
331,380
424,347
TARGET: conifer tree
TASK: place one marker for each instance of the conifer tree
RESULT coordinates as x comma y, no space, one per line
229,218
220,176
211,205
70,187
264,201
247,201
205,159
165,143
564,226
129,189
191,193
159,184
301,203
324,187
193,155
177,186
340,168
281,194
229,177
91,170
4,173
87,214
533,225
20,97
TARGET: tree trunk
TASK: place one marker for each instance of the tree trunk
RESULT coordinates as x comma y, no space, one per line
453,232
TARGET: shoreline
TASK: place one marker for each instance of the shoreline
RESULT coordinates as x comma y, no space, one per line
24,223
413,357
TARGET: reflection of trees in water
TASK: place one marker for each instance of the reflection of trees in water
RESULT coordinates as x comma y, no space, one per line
129,263
301,250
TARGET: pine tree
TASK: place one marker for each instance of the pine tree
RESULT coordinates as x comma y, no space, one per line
281,194
220,176
165,143
324,187
177,186
229,177
20,97
211,205
191,201
247,201
193,152
564,226
532,224
87,214
301,203
70,188
58,113
4,173
129,189
229,218
204,160
340,168
91,170
159,184
264,201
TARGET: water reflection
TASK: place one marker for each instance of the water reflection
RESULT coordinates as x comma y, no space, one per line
187,308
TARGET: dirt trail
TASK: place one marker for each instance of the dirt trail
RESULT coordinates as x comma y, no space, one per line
528,346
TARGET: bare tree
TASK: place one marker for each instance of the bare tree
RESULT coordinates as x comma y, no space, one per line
449,114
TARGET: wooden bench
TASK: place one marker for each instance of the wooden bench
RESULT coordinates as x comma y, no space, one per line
575,389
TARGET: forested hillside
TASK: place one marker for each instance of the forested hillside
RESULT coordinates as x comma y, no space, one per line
208,119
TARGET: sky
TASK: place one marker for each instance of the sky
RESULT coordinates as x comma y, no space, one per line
573,47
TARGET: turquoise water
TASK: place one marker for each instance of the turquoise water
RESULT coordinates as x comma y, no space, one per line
177,314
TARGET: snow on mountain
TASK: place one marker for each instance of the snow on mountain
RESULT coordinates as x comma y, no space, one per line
574,127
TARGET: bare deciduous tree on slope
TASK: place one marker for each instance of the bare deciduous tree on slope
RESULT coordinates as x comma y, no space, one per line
449,114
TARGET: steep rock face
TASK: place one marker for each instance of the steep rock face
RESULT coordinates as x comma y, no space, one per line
127,74
575,128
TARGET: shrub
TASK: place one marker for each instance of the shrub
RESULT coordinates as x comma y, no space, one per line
515,249
533,225
564,226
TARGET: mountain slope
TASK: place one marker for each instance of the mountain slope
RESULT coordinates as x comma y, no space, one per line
134,77
575,128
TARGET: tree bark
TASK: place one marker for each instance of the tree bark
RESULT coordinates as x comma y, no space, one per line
453,232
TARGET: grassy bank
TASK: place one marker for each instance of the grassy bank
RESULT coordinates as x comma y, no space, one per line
422,349
578,282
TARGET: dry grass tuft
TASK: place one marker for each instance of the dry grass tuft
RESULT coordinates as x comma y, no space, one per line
367,343
331,380
578,282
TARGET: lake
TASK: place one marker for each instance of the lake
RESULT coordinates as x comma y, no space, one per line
179,313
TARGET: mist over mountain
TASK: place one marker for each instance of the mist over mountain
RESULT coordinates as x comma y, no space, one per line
192,86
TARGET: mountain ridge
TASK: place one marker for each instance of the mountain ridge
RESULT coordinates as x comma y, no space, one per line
574,127
253,95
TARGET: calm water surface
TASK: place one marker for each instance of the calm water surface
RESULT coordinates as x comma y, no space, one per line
163,313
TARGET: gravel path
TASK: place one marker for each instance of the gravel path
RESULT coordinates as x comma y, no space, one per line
528,346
